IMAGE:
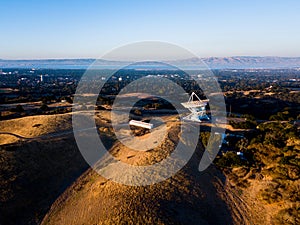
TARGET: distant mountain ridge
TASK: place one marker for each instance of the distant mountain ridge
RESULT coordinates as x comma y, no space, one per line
234,62
244,62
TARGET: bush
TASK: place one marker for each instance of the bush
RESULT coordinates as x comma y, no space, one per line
288,216
248,117
270,195
204,136
248,124
44,107
137,112
229,159
19,108
69,100
285,160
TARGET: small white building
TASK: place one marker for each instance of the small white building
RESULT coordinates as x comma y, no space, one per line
141,124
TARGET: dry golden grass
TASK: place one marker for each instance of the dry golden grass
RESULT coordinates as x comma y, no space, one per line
273,184
35,171
189,197
8,139
33,126
179,200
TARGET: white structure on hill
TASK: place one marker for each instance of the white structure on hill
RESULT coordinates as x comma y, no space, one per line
141,124
197,108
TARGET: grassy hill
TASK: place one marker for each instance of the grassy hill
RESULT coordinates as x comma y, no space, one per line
189,197
44,179
35,171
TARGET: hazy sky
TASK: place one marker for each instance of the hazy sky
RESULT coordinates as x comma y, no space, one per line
87,29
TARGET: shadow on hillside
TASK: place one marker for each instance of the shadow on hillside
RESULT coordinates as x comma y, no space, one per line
33,175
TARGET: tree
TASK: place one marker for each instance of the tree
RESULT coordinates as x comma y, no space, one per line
44,107
19,108
69,100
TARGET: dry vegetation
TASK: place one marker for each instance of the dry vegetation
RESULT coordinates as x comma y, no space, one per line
34,172
33,126
189,197
271,182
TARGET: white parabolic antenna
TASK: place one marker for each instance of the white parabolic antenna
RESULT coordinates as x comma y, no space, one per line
197,108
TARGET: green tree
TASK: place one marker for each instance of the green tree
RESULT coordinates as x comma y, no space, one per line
44,107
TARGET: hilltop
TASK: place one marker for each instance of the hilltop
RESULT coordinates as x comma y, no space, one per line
189,197
45,179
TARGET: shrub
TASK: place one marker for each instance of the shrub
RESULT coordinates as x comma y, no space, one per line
44,107
270,195
229,159
204,136
285,160
288,216
19,108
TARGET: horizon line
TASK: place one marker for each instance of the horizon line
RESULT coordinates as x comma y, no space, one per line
90,58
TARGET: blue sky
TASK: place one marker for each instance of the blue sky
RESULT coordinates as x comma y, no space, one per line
87,29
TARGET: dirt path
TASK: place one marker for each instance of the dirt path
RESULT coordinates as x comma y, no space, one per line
243,210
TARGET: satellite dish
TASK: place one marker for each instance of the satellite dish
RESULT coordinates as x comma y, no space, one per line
197,108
